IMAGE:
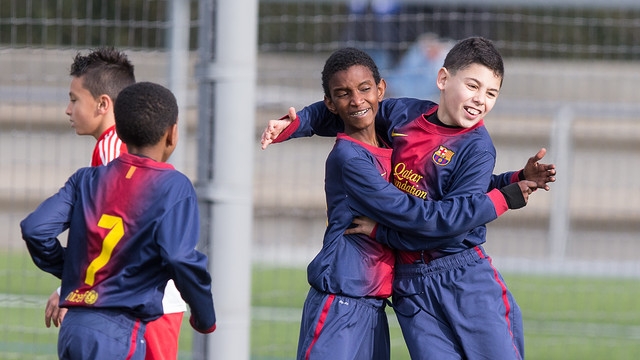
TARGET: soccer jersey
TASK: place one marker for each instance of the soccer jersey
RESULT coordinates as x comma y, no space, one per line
108,147
124,239
353,265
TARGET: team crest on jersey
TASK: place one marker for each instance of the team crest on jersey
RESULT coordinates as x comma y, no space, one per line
442,156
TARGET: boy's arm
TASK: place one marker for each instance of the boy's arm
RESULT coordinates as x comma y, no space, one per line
177,237
468,181
41,228
374,197
516,196
316,119
541,174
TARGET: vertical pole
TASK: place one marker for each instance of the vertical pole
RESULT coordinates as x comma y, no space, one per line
226,142
559,221
178,38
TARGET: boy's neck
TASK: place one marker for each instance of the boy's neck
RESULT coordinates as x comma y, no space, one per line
104,126
433,118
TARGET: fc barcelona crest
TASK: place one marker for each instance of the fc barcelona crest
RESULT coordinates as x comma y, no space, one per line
442,156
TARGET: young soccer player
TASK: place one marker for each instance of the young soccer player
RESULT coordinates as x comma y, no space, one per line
96,80
451,302
132,226
351,276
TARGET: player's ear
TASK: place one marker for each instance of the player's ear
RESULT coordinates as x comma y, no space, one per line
329,104
443,75
172,135
382,87
104,103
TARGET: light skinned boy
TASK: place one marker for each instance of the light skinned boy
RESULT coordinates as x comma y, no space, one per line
132,225
445,311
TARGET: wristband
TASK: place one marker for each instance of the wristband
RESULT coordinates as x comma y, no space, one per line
513,196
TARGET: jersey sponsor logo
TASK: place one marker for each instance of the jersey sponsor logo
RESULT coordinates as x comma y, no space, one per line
396,134
407,180
88,297
442,156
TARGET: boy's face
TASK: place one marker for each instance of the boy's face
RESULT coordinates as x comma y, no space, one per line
355,97
467,96
84,110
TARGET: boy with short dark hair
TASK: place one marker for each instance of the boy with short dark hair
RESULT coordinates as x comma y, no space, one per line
96,80
133,225
450,301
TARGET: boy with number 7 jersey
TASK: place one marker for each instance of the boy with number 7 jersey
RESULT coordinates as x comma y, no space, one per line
133,225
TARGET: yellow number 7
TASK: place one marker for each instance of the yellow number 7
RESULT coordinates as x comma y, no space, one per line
115,224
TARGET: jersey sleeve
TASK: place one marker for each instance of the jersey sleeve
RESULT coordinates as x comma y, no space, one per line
177,237
316,119
504,179
41,228
418,220
459,212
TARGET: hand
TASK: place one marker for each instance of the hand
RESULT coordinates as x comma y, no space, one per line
275,127
364,225
527,188
53,313
541,174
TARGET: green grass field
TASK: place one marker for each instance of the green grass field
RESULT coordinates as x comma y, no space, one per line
565,317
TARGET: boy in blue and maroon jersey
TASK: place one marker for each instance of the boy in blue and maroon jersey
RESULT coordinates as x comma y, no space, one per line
133,225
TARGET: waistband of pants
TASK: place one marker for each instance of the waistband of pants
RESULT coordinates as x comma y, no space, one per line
109,313
443,263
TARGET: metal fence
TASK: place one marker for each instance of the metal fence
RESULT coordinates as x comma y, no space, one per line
570,86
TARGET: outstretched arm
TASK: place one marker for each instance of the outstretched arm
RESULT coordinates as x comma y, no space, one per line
275,127
315,119
541,174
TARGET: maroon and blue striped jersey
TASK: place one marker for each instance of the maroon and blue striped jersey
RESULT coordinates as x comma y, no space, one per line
132,225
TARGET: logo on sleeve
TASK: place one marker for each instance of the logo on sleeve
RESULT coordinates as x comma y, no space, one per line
396,134
442,156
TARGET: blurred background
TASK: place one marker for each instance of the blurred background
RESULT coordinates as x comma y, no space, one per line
571,76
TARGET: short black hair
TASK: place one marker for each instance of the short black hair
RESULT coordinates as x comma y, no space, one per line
343,59
144,111
104,70
475,50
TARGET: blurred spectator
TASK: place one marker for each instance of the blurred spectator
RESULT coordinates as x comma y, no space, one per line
373,26
416,71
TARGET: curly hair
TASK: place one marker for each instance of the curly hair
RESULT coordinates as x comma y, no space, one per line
144,111
343,59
